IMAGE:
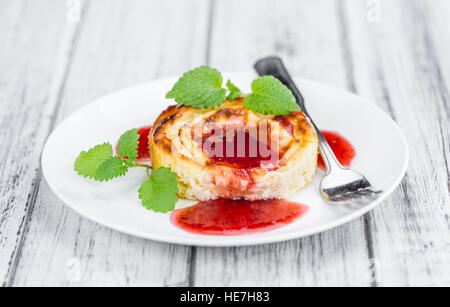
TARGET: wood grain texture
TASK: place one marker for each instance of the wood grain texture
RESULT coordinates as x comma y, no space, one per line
32,33
50,68
396,63
312,49
120,45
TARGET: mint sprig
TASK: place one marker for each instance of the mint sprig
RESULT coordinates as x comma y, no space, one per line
201,88
128,145
270,96
159,193
88,162
110,169
235,92
100,164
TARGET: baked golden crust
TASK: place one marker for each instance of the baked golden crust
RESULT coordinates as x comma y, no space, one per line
176,142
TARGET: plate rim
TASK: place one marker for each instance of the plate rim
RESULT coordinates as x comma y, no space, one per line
163,238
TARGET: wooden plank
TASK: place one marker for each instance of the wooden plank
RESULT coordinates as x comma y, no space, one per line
313,49
400,63
33,34
121,44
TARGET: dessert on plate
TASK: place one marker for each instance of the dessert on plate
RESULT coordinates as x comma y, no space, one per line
240,155
234,153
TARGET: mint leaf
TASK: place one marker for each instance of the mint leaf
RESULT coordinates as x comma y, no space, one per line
160,192
129,163
110,169
235,92
270,96
200,88
87,163
128,145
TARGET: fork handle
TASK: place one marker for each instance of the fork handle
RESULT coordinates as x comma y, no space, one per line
273,66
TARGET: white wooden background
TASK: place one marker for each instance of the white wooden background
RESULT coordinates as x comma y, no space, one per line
49,67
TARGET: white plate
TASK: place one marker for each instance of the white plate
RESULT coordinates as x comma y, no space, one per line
381,148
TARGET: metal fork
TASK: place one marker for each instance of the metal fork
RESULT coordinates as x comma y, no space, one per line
339,184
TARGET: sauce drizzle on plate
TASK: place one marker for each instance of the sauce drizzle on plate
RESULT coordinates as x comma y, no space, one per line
342,148
237,217
143,149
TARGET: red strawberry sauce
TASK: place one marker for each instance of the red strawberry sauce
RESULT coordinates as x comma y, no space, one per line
237,217
342,148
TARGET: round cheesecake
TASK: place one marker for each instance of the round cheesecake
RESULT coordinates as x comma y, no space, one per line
234,153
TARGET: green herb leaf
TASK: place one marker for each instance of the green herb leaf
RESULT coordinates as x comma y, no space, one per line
87,163
129,163
200,88
270,96
235,92
110,169
128,145
160,192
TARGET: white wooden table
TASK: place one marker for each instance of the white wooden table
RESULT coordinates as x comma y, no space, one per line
394,52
